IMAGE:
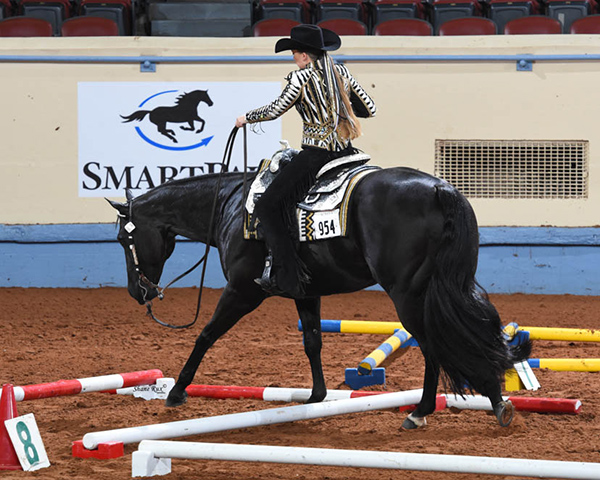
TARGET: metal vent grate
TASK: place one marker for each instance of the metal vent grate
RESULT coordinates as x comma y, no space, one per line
514,168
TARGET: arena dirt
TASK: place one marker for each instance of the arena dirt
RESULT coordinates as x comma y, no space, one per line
52,334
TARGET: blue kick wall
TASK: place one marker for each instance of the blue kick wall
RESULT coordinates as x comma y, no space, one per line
512,259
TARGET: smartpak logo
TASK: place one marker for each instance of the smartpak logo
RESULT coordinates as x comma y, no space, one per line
182,110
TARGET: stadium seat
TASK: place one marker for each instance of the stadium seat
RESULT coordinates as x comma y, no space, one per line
54,11
117,10
468,26
6,9
444,10
273,27
298,10
404,26
206,18
337,9
503,11
89,27
533,25
589,25
384,10
25,27
566,11
344,26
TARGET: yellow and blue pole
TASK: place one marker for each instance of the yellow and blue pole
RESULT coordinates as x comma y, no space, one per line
357,326
535,333
566,364
401,338
553,334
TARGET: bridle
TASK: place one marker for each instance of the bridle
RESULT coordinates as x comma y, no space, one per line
143,281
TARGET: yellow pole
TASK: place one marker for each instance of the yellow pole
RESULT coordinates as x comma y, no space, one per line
562,334
569,364
361,326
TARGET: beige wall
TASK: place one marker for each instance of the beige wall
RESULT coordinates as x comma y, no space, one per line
418,103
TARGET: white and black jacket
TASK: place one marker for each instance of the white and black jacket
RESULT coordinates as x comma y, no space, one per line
305,90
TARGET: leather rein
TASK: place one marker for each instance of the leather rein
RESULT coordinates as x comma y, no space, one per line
143,281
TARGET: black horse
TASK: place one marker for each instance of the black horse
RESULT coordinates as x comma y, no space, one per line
184,111
412,233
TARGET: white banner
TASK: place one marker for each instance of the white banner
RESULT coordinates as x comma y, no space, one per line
139,135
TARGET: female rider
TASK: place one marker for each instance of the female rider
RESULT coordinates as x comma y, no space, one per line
328,99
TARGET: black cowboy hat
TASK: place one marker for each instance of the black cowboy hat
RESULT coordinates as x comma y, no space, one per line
309,38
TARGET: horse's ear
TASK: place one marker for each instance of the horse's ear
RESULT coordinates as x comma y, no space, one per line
122,208
128,195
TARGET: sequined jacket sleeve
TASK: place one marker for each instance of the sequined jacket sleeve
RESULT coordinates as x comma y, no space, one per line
290,95
362,103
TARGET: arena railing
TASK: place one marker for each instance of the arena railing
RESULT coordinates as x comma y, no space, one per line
524,62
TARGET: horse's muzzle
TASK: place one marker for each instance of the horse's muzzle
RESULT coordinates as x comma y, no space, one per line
143,293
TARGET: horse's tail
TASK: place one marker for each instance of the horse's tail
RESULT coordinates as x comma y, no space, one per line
463,329
137,116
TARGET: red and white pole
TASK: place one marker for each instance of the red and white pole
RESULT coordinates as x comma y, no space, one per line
472,402
84,385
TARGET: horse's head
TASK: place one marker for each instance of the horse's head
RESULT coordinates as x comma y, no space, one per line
148,245
198,96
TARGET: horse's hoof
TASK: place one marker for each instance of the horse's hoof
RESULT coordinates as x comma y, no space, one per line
175,400
505,411
316,398
412,423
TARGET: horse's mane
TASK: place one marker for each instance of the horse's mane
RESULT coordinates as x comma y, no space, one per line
208,177
184,97
191,183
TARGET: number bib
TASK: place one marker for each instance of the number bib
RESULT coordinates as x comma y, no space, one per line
319,225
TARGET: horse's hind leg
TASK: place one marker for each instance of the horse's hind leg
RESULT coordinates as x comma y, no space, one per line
490,387
309,310
231,307
409,307
428,400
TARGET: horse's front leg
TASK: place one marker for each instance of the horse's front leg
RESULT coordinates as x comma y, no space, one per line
201,126
309,310
231,307
427,404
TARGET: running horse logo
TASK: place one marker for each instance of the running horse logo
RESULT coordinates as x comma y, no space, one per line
185,110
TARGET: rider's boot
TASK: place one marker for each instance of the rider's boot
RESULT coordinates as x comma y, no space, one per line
266,280
285,279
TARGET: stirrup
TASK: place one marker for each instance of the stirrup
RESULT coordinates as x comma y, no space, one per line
266,282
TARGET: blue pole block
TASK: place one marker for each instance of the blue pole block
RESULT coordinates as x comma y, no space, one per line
356,381
521,337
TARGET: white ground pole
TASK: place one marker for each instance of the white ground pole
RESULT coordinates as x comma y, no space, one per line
182,428
153,458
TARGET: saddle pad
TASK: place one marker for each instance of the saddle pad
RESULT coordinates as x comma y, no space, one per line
319,224
324,211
